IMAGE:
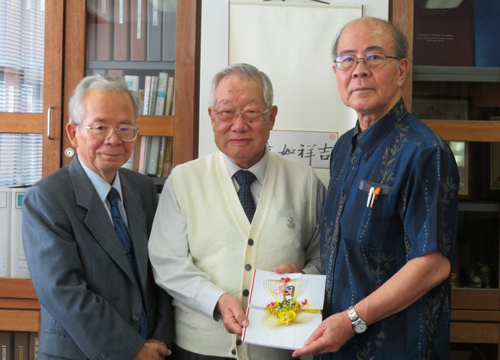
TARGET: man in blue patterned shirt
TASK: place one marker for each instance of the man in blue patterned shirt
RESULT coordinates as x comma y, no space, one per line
390,217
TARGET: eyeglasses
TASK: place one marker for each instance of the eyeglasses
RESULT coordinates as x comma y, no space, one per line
248,115
104,131
372,61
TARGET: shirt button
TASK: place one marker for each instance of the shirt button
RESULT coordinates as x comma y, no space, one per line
248,267
239,342
245,292
250,242
365,155
342,202
233,351
355,161
135,317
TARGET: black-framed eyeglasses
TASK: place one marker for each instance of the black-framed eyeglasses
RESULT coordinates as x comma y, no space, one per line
372,61
104,131
248,115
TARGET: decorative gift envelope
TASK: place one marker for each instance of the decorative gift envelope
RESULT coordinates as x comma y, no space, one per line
284,309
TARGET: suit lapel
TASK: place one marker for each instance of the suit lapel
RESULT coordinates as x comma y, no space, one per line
97,219
137,226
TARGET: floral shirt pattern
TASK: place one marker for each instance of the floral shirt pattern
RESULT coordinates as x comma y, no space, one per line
363,244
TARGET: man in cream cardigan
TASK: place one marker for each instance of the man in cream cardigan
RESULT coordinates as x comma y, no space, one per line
205,243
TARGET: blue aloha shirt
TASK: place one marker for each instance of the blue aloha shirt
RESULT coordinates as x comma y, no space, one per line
415,214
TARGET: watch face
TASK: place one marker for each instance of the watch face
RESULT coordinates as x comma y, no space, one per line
360,328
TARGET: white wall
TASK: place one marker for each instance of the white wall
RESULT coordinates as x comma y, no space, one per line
215,56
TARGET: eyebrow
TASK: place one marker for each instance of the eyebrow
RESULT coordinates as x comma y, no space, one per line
367,49
250,101
101,120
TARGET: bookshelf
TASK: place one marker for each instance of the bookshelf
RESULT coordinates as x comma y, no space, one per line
64,67
475,312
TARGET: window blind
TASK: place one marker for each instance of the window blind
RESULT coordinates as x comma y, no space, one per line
22,25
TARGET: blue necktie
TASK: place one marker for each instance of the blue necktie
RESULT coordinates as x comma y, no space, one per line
123,235
245,179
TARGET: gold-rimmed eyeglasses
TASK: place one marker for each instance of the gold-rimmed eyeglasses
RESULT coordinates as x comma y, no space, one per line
104,131
372,61
248,115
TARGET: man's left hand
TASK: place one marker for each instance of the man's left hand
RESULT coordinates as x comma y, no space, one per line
288,268
330,336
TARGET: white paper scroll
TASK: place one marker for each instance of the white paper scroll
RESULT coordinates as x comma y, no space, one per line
291,42
311,148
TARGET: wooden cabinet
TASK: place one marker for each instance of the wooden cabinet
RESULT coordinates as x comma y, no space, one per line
475,314
64,68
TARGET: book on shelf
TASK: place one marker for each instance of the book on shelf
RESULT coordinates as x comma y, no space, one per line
121,31
443,36
168,45
152,96
155,21
142,155
154,153
7,344
132,82
21,345
170,96
283,309
33,346
147,95
5,225
161,95
138,29
115,72
161,157
104,30
91,36
141,99
18,263
153,156
169,152
137,154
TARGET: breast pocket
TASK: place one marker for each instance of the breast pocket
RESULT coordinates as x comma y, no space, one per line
369,213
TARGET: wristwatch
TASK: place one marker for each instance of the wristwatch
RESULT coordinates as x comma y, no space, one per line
358,325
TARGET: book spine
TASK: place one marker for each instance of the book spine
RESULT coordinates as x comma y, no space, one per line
152,96
138,31
162,92
104,30
168,46
147,95
170,96
155,20
121,27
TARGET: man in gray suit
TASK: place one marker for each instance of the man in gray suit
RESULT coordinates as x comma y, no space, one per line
85,234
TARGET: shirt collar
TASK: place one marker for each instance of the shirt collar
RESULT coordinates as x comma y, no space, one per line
259,169
369,139
101,186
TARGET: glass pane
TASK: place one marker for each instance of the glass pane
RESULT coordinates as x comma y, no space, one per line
22,25
477,252
456,99
20,159
136,39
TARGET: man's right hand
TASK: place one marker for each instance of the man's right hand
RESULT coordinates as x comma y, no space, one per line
232,314
153,350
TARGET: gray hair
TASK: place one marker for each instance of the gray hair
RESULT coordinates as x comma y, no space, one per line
246,70
400,43
108,84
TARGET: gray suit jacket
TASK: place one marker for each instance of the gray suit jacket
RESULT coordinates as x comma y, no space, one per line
90,301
